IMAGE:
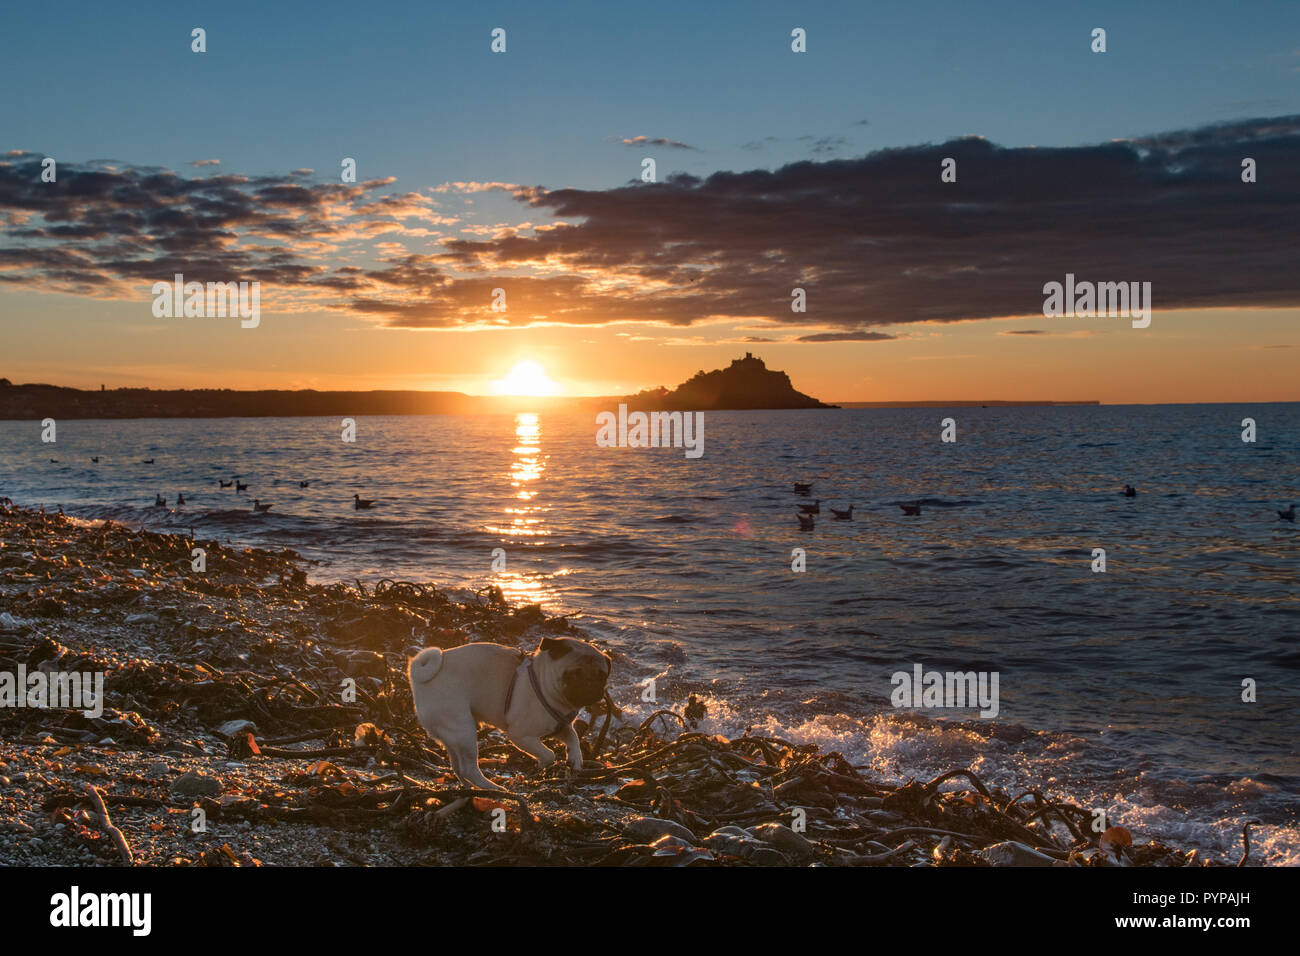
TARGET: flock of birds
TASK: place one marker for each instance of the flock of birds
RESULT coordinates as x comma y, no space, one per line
805,514
259,507
807,522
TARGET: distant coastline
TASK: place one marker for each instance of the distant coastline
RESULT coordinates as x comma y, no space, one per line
746,384
991,403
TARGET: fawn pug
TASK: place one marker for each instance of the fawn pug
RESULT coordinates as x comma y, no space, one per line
526,695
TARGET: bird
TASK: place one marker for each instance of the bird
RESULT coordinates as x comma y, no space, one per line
1288,515
224,484
359,503
259,507
843,515
54,461
159,501
180,498
147,461
304,484
95,459
240,486
806,522
911,509
800,488
1130,491
813,509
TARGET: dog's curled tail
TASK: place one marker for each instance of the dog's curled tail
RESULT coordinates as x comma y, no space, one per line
424,666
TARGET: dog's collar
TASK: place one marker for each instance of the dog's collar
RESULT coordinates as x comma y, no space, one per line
561,720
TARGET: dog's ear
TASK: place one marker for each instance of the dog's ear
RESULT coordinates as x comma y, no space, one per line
554,647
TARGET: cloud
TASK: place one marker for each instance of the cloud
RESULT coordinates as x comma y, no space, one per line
876,240
658,141
1025,332
205,162
847,337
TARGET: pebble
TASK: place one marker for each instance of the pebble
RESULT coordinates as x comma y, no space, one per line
784,839
649,829
143,619
1012,853
232,727
157,770
193,784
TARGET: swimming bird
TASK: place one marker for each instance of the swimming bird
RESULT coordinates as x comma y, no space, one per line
240,486
1130,491
259,507
95,459
805,522
912,510
180,498
843,515
813,509
159,501
802,489
304,484
1288,515
54,461
147,461
359,503
224,484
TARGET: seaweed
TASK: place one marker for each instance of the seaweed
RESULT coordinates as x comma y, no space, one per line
234,676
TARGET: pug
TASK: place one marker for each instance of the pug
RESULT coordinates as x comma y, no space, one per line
528,696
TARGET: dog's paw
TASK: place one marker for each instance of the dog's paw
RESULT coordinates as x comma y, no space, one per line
546,761
575,761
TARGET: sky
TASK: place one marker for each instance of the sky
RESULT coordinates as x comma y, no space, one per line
775,170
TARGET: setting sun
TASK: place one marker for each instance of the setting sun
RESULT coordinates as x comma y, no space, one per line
526,378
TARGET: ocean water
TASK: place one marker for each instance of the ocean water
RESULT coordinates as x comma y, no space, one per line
1121,689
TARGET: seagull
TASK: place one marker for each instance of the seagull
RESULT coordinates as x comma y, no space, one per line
147,461
224,484
180,498
259,507
304,484
911,509
813,509
95,459
240,486
802,489
159,501
806,522
360,504
843,515
1288,515
1130,491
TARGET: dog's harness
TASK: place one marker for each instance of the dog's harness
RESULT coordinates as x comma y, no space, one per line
561,720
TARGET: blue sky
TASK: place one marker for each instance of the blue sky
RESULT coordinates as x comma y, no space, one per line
411,90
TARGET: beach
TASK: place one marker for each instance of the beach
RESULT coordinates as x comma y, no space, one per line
250,717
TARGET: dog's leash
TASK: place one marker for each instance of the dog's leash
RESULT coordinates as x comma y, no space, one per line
561,720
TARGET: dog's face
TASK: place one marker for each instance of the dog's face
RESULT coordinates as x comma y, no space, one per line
583,669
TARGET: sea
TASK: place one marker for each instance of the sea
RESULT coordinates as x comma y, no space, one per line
1164,689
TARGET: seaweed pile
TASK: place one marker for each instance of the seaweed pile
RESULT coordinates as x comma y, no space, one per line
276,713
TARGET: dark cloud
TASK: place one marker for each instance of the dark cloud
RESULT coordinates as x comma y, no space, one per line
1024,332
875,240
847,337
657,141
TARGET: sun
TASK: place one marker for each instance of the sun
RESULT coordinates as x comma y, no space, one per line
526,378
